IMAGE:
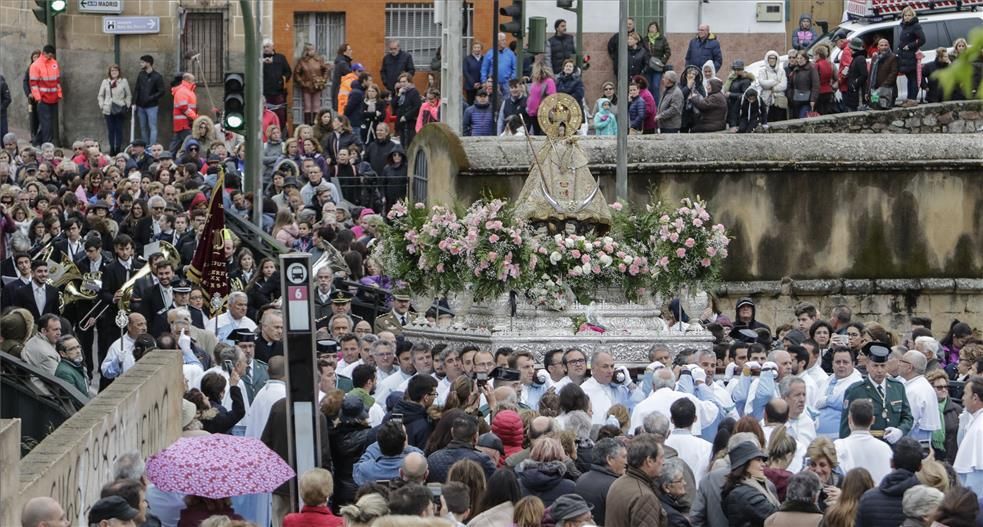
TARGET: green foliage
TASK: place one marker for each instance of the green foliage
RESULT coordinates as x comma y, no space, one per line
967,69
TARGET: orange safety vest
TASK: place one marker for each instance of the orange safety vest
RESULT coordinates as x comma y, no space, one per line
185,106
44,80
344,90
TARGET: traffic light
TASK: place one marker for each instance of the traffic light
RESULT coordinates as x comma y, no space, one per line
564,4
516,12
43,6
234,102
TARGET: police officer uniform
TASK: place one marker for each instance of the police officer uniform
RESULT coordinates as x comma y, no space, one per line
256,374
891,409
391,321
344,298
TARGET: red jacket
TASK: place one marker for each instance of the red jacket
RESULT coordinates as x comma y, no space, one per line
826,76
312,517
269,119
185,106
45,77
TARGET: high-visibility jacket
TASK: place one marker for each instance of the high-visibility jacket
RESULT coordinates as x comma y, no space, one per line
45,77
185,106
345,90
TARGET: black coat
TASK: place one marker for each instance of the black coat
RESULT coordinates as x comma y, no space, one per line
546,481
911,39
274,436
593,487
415,420
638,61
932,87
265,350
440,461
406,107
353,108
393,66
225,419
23,296
149,89
275,74
950,421
348,442
882,505
377,153
856,82
155,311
676,512
746,506
334,142
472,72
561,47
394,181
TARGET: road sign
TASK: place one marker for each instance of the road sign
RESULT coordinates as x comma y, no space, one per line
130,25
101,6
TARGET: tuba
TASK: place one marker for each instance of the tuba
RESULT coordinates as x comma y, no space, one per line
72,284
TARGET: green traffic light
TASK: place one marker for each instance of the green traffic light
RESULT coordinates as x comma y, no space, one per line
234,121
58,6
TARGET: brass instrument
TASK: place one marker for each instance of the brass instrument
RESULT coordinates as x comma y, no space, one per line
170,253
322,261
74,285
45,251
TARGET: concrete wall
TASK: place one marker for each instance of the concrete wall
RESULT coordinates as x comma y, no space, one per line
797,205
952,117
140,411
85,53
9,457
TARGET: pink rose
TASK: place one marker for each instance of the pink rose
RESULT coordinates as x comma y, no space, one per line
585,259
617,206
622,267
711,251
575,253
596,269
493,238
680,252
705,262
689,243
674,237
698,222
492,256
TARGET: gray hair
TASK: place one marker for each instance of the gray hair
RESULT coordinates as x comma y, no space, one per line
267,41
597,355
917,360
605,449
785,385
19,242
672,469
672,76
129,465
773,355
579,422
930,344
180,313
920,501
708,354
238,294
663,378
380,344
657,348
657,425
804,487
156,201
344,316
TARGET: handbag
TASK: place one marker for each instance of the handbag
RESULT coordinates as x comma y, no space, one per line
656,65
801,95
117,109
884,101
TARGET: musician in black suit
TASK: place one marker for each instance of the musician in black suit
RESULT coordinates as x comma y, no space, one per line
39,297
115,275
93,260
72,244
159,299
143,286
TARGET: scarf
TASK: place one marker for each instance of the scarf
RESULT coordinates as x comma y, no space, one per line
761,486
938,436
367,399
653,38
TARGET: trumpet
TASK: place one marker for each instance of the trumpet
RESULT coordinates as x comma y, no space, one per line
170,253
45,251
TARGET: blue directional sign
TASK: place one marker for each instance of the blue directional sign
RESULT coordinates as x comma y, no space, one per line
130,25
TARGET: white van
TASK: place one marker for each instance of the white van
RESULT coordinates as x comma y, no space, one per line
941,30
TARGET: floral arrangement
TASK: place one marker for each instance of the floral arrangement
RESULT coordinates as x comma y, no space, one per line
488,251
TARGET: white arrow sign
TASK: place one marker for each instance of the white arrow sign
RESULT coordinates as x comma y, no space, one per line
130,25
101,6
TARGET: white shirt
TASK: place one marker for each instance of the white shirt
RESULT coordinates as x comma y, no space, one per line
602,398
660,400
860,449
227,398
969,457
120,351
817,373
225,324
924,404
812,389
803,430
390,384
694,451
259,409
346,369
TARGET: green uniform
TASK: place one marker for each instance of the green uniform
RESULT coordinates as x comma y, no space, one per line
73,375
894,414
389,322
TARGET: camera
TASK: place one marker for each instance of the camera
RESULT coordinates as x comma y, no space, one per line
481,379
540,377
436,490
620,376
227,366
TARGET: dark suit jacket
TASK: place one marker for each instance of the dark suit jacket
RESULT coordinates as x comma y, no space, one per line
84,266
24,297
61,247
265,350
143,233
155,311
7,295
197,317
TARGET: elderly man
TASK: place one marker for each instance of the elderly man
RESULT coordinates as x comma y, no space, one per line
322,294
396,61
71,367
43,512
233,318
270,342
384,355
800,425
602,390
860,449
339,326
120,357
921,396
664,394
705,47
199,343
610,462
930,348
632,500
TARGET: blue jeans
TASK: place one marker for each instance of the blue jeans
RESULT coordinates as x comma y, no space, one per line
147,124
655,85
114,125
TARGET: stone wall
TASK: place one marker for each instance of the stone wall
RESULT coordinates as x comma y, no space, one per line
889,302
140,411
9,457
948,118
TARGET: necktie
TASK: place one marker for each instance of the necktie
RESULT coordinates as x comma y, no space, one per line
880,391
39,298
166,293
832,384
402,320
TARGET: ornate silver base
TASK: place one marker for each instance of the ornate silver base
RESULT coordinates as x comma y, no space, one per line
630,329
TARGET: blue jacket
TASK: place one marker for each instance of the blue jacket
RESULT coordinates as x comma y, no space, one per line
701,51
373,466
506,66
479,121
636,114
440,461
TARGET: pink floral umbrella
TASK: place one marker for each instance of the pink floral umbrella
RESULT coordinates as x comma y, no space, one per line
218,466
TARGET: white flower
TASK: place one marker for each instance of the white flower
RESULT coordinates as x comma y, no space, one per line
606,260
628,259
585,268
570,243
555,257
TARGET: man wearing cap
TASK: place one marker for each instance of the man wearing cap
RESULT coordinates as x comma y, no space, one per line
256,374
146,97
341,304
491,445
737,83
746,313
570,510
631,499
398,317
892,415
112,511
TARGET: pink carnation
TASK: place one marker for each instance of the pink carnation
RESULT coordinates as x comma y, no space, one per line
493,238
690,242
575,253
711,251
680,252
617,206
492,256
674,237
585,258
705,262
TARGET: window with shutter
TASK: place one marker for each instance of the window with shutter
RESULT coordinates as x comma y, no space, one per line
645,11
412,24
203,45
